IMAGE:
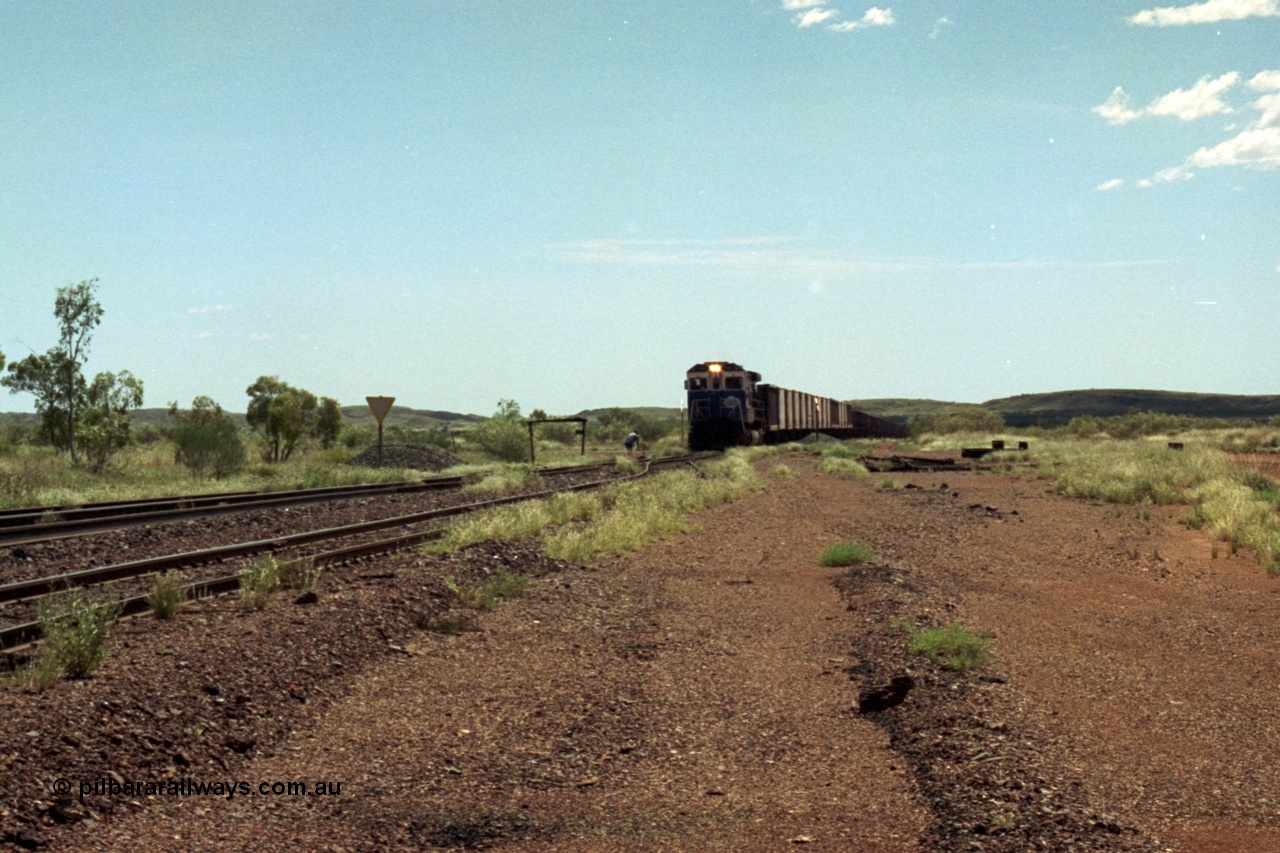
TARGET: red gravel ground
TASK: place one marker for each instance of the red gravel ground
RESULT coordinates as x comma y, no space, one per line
703,694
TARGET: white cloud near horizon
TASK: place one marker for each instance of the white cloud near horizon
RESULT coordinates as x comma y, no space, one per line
1208,12
1114,183
205,309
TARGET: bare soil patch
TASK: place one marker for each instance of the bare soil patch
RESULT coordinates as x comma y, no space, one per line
705,694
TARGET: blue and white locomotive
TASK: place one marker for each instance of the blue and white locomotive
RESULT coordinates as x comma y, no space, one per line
729,406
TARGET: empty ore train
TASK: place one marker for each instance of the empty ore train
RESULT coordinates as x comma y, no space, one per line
729,406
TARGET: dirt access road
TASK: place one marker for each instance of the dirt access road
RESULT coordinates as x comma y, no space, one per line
704,695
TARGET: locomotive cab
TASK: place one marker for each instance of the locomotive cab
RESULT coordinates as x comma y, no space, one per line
724,406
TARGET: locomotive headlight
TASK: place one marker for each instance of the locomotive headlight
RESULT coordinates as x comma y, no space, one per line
714,368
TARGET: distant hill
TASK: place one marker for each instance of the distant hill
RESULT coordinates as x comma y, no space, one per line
413,418
900,409
1062,406
642,411
1059,407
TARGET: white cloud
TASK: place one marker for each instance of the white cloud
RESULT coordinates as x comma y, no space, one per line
1209,12
814,17
1198,101
259,336
1114,183
811,13
1168,176
1115,109
938,25
205,309
1201,100
873,17
1269,104
1258,148
200,336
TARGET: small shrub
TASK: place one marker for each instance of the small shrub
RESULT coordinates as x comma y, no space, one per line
207,439
840,466
783,472
503,436
954,647
506,478
76,625
627,465
39,674
488,595
845,554
888,484
301,574
167,595
259,582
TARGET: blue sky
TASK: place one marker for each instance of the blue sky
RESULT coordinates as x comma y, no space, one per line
569,203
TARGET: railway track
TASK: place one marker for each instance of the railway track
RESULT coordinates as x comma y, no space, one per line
18,599
28,526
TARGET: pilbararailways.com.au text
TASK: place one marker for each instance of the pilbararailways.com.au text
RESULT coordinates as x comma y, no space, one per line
188,787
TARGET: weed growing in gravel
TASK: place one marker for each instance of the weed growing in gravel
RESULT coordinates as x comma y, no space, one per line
525,520
259,582
954,647
505,478
1231,504
579,526
627,465
761,451
39,674
643,511
76,625
301,574
490,593
845,554
167,594
832,462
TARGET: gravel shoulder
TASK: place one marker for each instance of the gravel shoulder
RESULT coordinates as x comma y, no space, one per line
704,694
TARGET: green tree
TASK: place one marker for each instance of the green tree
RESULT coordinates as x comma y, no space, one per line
103,428
207,438
78,312
328,422
39,376
282,413
55,379
503,436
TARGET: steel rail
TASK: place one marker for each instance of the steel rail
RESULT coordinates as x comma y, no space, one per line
18,635
26,528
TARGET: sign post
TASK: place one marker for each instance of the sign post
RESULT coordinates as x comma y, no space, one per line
380,406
